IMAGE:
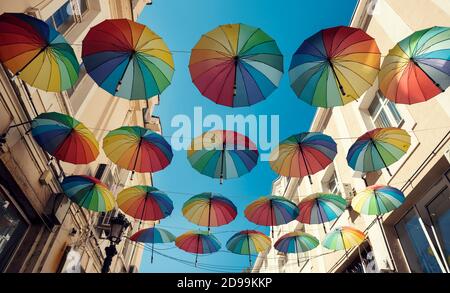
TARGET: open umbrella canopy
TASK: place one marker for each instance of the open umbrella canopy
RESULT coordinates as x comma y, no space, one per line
378,149
222,154
377,200
145,203
127,59
236,65
198,242
334,67
295,242
88,192
137,149
303,154
37,53
418,67
153,235
65,138
319,208
248,242
209,209
343,238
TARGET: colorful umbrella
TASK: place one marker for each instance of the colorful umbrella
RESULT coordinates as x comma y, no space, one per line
295,242
127,59
417,68
248,242
137,149
88,192
303,154
319,208
65,138
209,209
223,154
271,211
378,149
198,242
236,65
343,238
153,235
145,203
334,67
37,53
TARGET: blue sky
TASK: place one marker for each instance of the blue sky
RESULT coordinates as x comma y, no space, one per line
181,23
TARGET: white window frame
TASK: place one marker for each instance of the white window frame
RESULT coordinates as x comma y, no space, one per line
384,107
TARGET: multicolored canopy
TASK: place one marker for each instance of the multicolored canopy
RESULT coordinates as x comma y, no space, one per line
248,242
37,53
378,149
137,149
198,242
65,138
295,242
145,203
417,68
209,209
319,208
271,211
343,238
334,67
127,59
236,65
223,154
153,235
303,154
377,200
88,192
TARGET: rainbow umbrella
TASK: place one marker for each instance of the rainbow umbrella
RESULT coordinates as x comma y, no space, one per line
271,211
223,154
153,235
145,203
88,192
198,242
37,53
418,67
137,149
295,242
236,65
65,138
303,154
378,148
127,59
319,208
343,238
248,242
209,209
334,67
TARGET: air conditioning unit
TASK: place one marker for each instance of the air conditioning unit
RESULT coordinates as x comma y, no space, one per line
57,208
349,191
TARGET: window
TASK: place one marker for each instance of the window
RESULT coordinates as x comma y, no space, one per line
383,112
81,74
62,19
333,184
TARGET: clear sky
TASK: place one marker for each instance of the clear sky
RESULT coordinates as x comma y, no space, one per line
181,23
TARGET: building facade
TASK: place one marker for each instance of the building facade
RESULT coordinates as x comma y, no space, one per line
418,233
40,230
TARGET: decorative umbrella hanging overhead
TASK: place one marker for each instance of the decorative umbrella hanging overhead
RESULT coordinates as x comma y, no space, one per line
145,203
343,238
334,67
209,209
137,149
198,242
296,242
127,59
65,138
248,242
222,154
378,149
303,154
319,208
236,65
271,211
88,192
418,67
153,235
37,53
